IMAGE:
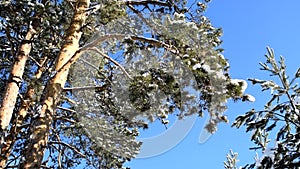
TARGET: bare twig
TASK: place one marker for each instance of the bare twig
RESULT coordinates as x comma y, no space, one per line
88,63
157,43
98,88
35,61
146,2
58,148
69,146
112,60
66,109
101,39
69,100
65,119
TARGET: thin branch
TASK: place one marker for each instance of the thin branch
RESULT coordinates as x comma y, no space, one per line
146,2
98,88
69,100
35,61
94,9
12,166
151,41
69,146
59,159
101,39
60,151
142,18
157,43
88,63
112,60
65,119
45,166
66,109
92,46
285,118
286,90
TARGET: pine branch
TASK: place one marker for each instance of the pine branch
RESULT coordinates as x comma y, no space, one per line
146,2
151,41
69,146
98,88
112,60
66,109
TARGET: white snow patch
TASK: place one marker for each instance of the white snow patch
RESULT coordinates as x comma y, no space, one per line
238,82
197,66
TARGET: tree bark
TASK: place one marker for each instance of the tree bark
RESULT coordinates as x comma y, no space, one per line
34,151
16,125
14,82
12,91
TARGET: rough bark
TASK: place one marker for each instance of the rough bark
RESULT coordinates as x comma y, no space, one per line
15,80
16,126
34,151
11,94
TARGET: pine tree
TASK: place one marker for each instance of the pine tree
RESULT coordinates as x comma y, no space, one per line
65,64
275,129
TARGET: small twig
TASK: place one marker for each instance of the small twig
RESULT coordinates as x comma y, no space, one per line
101,39
12,166
69,100
66,109
146,2
35,61
112,60
59,150
285,118
142,18
98,88
65,119
157,43
88,63
287,92
69,146
151,41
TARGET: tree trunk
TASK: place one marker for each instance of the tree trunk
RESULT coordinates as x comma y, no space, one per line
34,151
12,91
14,82
16,125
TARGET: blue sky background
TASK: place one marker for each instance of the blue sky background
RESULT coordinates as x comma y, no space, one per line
249,26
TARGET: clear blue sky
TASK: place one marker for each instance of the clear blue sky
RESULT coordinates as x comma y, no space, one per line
249,26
